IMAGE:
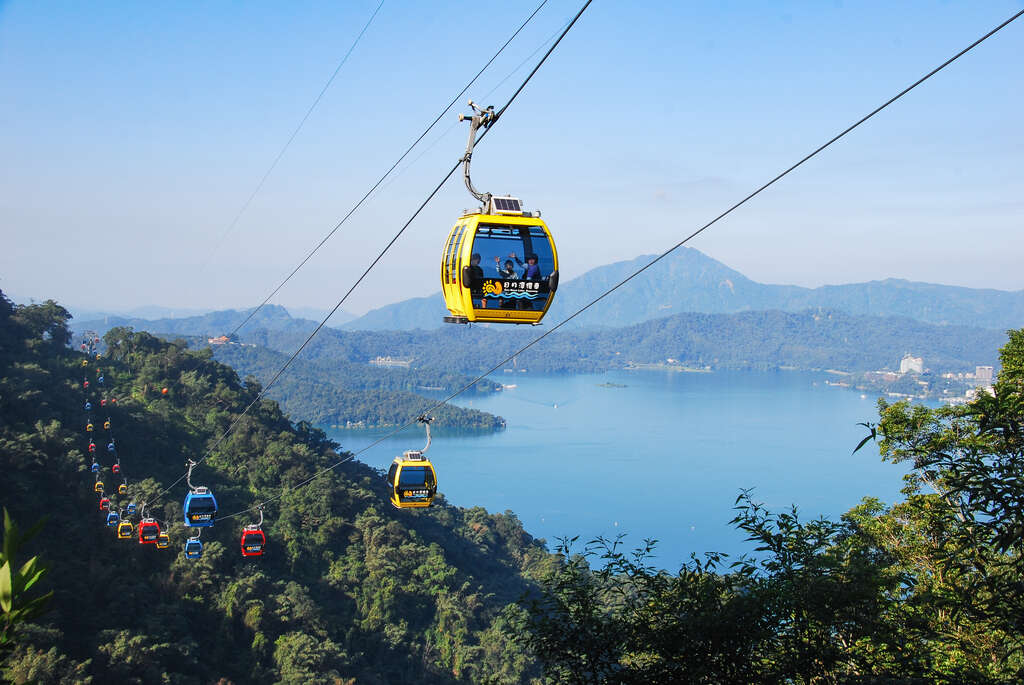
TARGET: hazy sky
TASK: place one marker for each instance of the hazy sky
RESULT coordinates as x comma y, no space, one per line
131,133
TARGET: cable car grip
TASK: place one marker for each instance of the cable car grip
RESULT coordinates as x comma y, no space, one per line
425,420
188,476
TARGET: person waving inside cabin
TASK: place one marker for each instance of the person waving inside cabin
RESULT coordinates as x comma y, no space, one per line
506,272
531,270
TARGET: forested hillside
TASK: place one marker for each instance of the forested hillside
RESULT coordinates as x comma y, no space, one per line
343,393
349,590
813,339
349,394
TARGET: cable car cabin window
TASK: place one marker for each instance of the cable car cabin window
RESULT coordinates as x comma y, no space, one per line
416,475
391,474
202,505
457,252
516,262
451,253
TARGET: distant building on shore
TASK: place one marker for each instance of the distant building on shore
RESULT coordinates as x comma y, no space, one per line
983,374
391,361
911,365
222,340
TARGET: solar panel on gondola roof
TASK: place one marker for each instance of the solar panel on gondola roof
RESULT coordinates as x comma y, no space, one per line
508,204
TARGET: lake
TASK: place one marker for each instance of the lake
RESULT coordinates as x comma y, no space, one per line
663,457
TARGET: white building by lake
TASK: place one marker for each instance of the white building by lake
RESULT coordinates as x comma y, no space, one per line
911,364
983,374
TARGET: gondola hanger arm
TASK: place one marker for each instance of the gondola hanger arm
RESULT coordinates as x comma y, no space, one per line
481,118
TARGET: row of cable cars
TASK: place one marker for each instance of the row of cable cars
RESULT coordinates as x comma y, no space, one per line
200,510
200,505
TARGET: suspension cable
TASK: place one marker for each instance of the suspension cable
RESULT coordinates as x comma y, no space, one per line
485,98
639,271
263,391
284,148
387,173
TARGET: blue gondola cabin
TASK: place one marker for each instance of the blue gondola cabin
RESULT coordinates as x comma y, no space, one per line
200,508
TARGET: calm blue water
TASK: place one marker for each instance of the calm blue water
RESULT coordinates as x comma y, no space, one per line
664,457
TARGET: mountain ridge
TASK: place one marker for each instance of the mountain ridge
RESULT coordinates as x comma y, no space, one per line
687,281
690,281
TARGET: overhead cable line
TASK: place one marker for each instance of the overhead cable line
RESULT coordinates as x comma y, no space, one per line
387,173
263,391
486,97
639,271
284,148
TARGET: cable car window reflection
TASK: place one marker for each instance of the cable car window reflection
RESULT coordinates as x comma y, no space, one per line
413,475
202,505
522,283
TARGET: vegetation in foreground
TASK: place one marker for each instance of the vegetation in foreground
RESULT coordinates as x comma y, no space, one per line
927,590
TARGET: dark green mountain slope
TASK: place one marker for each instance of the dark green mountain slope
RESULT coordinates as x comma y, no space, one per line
351,394
349,588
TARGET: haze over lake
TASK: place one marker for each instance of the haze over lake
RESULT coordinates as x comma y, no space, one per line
663,457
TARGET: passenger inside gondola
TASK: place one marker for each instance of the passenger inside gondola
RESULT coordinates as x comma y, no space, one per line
531,270
507,271
514,289
476,280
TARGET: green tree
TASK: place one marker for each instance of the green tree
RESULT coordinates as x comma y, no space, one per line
960,531
17,582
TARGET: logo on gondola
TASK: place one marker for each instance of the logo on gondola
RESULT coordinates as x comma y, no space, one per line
520,290
201,517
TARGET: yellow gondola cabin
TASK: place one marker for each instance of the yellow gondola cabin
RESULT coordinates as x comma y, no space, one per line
411,478
500,266
412,481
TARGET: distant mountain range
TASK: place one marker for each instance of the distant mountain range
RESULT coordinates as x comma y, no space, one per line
164,320
761,340
271,317
690,281
686,281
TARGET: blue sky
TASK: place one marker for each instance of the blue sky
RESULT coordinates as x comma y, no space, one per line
133,133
